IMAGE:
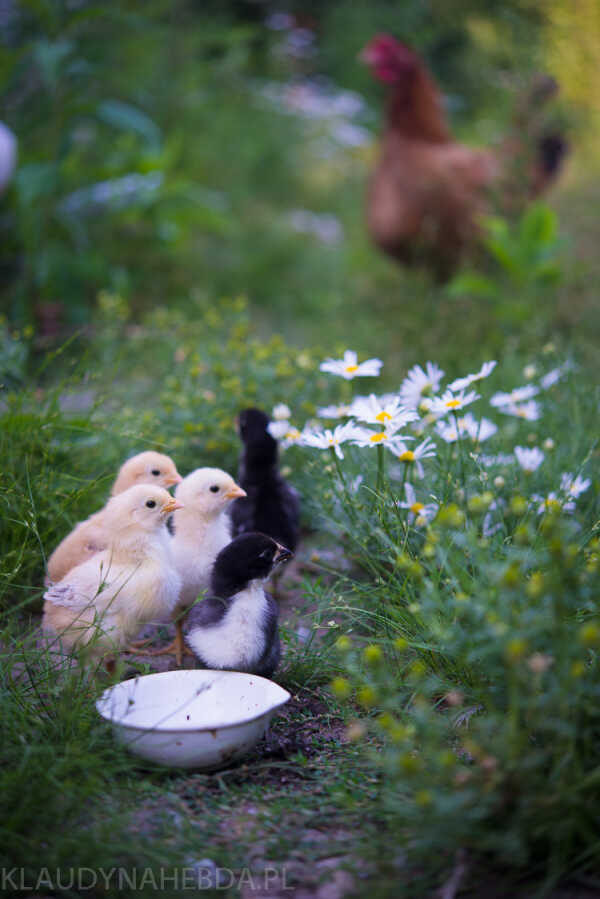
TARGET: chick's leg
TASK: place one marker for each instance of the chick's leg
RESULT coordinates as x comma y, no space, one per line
177,647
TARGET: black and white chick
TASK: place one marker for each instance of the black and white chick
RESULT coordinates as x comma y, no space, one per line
235,626
271,505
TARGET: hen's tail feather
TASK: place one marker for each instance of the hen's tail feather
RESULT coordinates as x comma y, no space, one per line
552,150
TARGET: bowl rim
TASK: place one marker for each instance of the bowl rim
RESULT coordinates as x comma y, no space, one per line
178,730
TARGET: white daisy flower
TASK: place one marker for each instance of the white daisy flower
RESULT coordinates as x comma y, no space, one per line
452,402
448,431
491,523
529,459
281,412
467,426
388,413
485,370
480,430
530,411
419,513
277,429
286,433
419,384
349,367
518,395
379,438
326,439
498,459
413,457
550,379
574,486
529,372
333,411
552,503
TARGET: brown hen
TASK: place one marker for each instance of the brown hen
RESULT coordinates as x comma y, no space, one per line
428,191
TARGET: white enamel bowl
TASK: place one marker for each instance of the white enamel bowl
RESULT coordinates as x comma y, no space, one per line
192,718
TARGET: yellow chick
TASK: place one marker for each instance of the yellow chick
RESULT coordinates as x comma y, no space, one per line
146,468
89,536
202,529
108,598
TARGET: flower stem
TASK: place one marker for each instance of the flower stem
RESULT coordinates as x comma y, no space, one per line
340,473
380,468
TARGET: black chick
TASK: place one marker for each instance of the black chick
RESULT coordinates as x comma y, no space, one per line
235,627
271,506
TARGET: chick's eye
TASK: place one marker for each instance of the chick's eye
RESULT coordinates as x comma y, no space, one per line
151,503
214,489
155,472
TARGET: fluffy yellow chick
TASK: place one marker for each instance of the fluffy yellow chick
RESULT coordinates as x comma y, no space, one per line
108,598
146,468
202,529
89,536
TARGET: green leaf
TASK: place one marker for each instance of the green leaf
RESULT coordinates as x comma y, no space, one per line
472,284
130,118
538,226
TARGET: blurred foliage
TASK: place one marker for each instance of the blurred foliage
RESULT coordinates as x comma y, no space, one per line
526,260
152,166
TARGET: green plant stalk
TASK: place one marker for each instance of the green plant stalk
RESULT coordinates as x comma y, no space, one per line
340,473
380,468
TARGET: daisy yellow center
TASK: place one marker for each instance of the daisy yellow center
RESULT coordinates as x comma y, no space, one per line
522,413
383,416
416,508
292,435
452,404
351,368
552,504
377,438
407,456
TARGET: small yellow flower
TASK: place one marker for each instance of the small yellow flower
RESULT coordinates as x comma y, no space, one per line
512,576
409,763
400,644
518,505
372,655
589,634
341,688
536,585
367,696
343,643
515,649
418,669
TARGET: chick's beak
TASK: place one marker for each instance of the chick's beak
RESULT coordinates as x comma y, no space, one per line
171,506
174,479
235,492
282,554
